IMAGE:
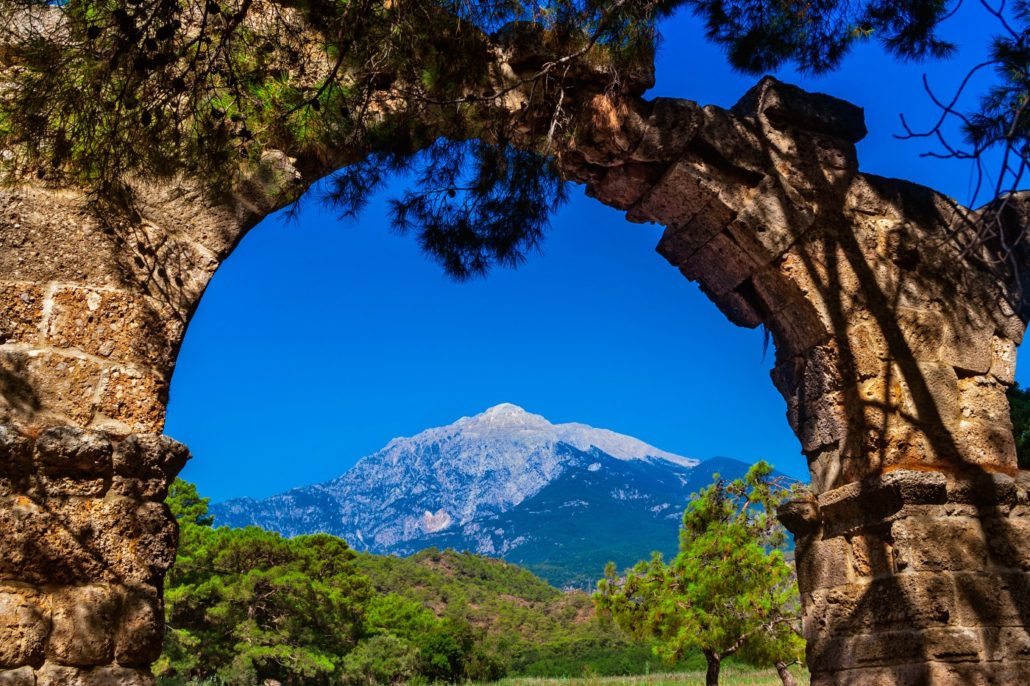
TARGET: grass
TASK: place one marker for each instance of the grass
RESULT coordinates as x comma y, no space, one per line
730,676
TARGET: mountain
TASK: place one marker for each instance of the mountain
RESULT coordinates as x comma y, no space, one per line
560,499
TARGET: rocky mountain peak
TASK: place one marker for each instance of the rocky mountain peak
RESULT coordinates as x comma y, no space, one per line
454,479
506,415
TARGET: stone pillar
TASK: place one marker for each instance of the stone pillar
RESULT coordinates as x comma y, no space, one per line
85,541
912,577
894,348
93,308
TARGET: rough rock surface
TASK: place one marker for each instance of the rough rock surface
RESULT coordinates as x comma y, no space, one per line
82,558
911,577
894,349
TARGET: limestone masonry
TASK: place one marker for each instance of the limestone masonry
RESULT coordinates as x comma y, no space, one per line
894,350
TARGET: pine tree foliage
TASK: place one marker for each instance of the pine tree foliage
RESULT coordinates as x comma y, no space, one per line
817,34
248,605
212,86
102,92
729,591
245,605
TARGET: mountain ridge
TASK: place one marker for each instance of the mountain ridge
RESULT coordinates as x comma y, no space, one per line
498,483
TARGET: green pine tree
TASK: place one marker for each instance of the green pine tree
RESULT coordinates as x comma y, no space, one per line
246,605
729,591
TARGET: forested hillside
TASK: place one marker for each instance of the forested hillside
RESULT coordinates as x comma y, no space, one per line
244,605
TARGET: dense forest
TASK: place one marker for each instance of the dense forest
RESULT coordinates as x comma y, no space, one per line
245,605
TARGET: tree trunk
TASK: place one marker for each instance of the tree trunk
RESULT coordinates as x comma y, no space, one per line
785,676
714,663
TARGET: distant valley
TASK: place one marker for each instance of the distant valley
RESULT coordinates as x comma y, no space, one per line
558,499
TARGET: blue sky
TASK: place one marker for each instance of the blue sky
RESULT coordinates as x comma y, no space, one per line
318,341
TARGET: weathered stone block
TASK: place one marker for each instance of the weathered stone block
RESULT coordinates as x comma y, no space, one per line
786,103
857,504
987,488
800,514
735,141
978,674
145,465
923,332
1022,479
40,389
140,632
678,196
132,401
871,554
74,461
1008,539
668,130
822,564
623,186
986,442
983,397
60,675
796,331
76,540
611,128
135,541
15,461
1005,643
826,423
906,601
930,392
680,242
37,547
825,468
721,265
24,625
958,544
777,217
917,487
968,344
21,312
83,625
737,305
160,536
868,349
924,673
120,326
171,268
1001,599
888,648
23,676
53,238
1003,360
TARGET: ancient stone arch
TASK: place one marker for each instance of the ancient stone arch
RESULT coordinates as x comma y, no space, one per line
894,350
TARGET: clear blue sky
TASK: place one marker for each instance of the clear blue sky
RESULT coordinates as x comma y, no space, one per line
317,341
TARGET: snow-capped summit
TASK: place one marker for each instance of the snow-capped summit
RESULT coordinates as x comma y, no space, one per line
454,478
507,414
511,421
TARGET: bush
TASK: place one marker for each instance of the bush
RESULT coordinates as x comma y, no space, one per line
382,659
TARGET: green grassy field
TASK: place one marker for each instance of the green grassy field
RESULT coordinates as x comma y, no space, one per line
730,676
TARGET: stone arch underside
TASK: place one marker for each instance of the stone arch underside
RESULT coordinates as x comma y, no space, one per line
894,350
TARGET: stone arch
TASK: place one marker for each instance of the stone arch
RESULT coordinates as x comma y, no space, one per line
894,349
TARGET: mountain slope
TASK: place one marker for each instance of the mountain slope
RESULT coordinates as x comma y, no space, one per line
562,499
